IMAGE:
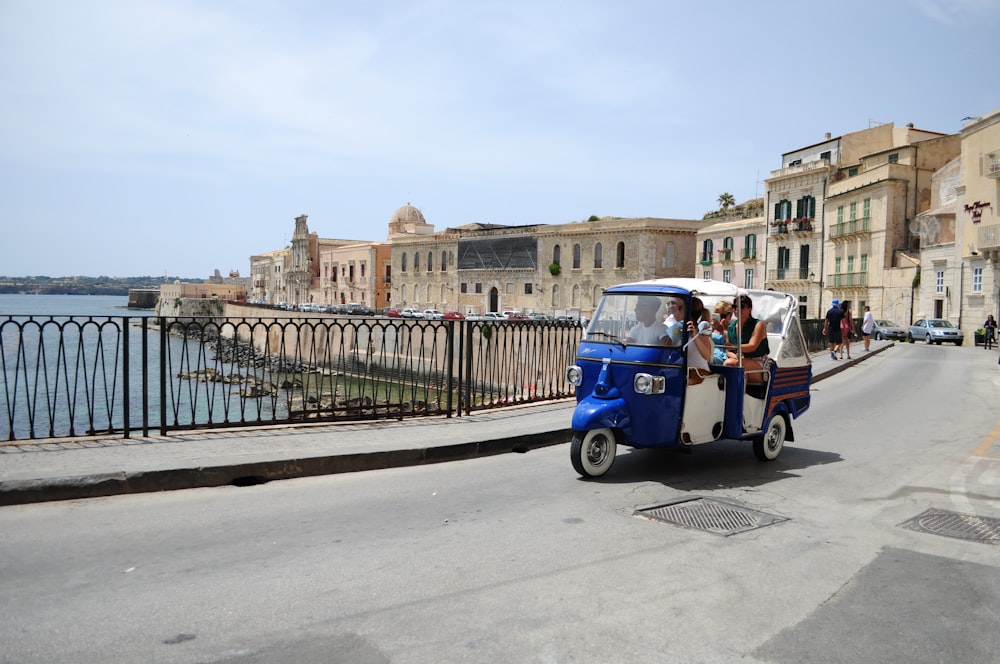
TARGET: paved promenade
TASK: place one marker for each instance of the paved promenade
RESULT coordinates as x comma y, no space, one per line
91,467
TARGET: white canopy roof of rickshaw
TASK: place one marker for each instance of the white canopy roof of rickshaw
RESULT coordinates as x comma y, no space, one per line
690,284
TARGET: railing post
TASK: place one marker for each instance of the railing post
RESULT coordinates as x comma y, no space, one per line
163,375
126,383
450,373
145,376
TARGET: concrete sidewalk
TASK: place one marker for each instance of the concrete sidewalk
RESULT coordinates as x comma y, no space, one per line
93,467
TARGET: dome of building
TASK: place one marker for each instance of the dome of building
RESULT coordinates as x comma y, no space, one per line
408,214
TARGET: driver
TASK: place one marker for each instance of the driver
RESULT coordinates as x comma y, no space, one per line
649,331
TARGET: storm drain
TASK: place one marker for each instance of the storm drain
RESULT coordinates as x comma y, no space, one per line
715,516
954,524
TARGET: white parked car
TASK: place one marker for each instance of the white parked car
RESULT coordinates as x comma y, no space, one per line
433,314
411,313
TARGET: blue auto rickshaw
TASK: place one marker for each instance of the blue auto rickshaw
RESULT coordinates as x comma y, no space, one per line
635,391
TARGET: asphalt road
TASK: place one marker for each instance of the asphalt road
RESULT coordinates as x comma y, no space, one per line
513,558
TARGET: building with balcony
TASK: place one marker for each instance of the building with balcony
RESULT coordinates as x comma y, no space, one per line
959,234
733,251
839,213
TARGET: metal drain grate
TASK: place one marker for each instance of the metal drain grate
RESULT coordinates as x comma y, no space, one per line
954,524
711,515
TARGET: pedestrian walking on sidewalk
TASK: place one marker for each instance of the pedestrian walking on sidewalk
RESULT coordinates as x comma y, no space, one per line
990,326
831,328
846,330
867,324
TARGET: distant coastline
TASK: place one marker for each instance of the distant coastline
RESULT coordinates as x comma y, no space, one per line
82,285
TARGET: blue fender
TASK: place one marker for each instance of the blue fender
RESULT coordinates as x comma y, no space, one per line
594,413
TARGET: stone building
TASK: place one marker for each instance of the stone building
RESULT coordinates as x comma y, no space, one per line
554,269
959,234
839,214
733,251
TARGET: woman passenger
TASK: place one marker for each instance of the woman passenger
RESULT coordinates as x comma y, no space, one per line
752,342
699,346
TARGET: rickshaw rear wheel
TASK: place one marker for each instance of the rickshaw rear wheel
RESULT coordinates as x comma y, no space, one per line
768,446
593,452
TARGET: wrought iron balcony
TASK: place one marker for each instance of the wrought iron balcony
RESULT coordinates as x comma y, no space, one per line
847,279
851,227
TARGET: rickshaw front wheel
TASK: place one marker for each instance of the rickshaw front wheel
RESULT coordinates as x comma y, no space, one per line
593,452
768,446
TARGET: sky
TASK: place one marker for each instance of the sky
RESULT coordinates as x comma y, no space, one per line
176,137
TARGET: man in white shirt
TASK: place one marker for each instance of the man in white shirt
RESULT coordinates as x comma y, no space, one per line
650,330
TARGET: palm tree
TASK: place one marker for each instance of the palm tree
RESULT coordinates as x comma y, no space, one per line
727,201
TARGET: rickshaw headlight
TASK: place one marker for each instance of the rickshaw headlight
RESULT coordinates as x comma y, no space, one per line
645,383
574,375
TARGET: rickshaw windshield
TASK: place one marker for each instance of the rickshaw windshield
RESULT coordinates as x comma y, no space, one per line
639,319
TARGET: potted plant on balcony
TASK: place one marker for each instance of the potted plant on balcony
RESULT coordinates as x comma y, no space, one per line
980,336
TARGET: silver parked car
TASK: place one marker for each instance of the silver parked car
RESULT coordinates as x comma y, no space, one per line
934,330
886,329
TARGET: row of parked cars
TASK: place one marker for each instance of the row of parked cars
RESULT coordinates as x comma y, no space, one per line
928,330
434,314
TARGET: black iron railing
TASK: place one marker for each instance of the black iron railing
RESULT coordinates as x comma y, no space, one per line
87,376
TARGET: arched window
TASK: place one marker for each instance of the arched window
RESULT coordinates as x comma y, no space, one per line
404,265
574,300
597,295
598,256
430,261
416,261
556,253
620,255
430,296
402,294
669,255
556,301
443,297
576,257
444,261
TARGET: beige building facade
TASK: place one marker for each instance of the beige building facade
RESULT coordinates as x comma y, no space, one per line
557,269
839,217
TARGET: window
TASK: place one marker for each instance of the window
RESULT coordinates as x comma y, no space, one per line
784,260
556,301
750,246
727,276
620,255
836,265
939,282
805,207
430,262
804,261
576,257
977,280
850,264
864,263
669,255
851,172
783,210
706,251
853,215
527,288
824,155
706,275
351,270
894,158
598,256
479,288
463,287
555,254
866,207
416,261
748,278
444,261
840,214
404,265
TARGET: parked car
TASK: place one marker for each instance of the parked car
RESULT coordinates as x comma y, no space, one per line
539,316
392,313
934,330
454,315
886,329
355,309
411,313
433,314
493,316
